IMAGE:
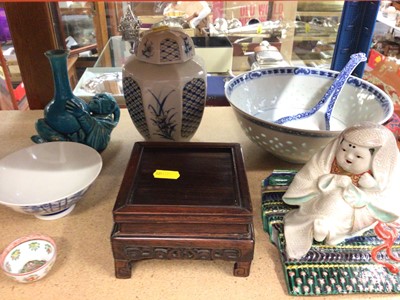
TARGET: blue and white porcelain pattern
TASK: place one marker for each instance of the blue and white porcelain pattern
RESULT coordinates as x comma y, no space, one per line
134,104
53,208
193,106
169,50
260,97
330,96
52,178
165,93
165,45
162,117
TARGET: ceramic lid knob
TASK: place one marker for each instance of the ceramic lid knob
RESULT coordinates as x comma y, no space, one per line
165,45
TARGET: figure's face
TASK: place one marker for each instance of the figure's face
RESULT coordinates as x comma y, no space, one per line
353,158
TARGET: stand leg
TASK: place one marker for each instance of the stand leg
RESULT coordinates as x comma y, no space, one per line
123,269
242,269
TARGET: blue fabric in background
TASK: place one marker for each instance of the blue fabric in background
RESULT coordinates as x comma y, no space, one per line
216,90
355,33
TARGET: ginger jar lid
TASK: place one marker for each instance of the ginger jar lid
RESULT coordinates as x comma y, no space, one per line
165,45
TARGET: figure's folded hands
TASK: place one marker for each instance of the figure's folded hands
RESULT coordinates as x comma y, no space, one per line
327,182
367,181
343,180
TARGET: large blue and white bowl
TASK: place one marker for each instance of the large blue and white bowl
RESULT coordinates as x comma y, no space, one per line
261,97
47,180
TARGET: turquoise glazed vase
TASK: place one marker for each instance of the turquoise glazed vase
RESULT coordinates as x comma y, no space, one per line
56,114
69,118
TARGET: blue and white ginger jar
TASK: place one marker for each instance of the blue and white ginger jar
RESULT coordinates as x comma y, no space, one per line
164,85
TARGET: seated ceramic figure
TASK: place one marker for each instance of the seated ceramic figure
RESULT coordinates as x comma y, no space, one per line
344,190
95,123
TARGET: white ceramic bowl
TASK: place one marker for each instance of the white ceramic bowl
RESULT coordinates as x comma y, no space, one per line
47,180
29,258
261,97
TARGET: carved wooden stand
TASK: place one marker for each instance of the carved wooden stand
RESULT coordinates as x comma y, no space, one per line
205,214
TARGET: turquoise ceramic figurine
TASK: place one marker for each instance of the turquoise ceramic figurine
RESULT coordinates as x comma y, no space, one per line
69,118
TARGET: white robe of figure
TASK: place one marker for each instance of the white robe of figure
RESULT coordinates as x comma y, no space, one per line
331,207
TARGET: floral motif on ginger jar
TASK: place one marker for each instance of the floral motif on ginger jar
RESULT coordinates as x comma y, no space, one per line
164,86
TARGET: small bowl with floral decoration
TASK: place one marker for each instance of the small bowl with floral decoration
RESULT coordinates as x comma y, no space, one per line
29,258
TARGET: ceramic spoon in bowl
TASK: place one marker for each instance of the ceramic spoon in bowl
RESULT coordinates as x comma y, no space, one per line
330,96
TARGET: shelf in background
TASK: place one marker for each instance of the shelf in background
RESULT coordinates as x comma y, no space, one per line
319,13
387,22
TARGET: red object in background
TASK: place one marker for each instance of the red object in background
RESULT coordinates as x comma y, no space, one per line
388,233
217,10
375,58
19,92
